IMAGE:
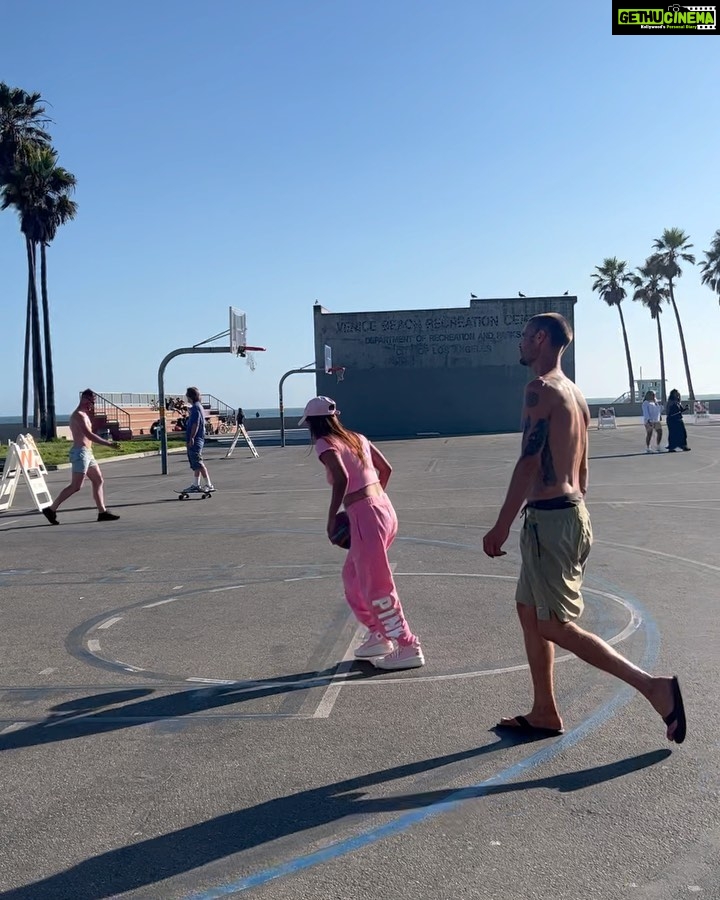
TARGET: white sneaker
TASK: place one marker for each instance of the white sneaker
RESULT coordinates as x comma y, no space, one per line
209,488
408,657
648,449
375,644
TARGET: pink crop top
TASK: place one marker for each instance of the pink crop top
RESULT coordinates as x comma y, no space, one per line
359,474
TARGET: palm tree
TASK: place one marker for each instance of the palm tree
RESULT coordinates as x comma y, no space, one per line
711,265
649,290
60,209
670,250
39,190
609,282
22,124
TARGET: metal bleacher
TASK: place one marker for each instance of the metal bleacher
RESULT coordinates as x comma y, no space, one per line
131,415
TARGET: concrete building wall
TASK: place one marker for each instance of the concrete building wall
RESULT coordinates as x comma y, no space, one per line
447,371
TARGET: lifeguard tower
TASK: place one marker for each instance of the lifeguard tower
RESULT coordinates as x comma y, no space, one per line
642,386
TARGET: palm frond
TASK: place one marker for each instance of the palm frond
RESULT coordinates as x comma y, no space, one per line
609,280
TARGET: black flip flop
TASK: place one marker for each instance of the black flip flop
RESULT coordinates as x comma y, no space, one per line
677,714
526,729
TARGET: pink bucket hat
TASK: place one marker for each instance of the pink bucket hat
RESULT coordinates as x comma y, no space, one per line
319,406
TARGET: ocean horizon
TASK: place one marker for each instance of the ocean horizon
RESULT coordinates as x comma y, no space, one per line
297,411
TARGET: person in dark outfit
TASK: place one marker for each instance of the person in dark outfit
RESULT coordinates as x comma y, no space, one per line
677,435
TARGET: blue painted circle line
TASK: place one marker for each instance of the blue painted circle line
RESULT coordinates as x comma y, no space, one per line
94,649
407,820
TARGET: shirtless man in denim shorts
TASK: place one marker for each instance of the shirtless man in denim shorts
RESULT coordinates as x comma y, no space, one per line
549,484
83,462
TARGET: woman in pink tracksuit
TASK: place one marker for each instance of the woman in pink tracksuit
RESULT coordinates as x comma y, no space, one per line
359,473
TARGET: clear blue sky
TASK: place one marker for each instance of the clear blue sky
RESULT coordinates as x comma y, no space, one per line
376,155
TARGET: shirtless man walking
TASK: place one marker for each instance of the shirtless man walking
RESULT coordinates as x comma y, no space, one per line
551,479
83,462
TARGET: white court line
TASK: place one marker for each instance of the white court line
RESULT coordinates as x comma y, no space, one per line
341,676
232,587
47,671
304,578
659,502
160,602
693,562
177,587
332,692
109,622
63,720
15,726
324,707
2,525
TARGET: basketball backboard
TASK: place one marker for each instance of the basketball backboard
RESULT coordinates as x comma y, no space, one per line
238,331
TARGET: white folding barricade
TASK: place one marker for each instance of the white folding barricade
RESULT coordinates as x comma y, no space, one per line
23,460
242,433
702,413
606,417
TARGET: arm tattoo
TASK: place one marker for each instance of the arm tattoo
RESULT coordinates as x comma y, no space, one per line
535,439
532,398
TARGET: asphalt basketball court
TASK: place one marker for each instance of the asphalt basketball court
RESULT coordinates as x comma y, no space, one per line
181,717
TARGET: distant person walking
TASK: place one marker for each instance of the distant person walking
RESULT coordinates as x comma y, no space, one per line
195,432
550,481
239,417
677,433
83,462
652,419
359,473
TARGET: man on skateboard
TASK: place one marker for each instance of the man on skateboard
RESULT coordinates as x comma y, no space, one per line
195,443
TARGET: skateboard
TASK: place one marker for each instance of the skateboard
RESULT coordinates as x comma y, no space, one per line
186,495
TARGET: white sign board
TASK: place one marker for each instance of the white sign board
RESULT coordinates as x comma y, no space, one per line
23,460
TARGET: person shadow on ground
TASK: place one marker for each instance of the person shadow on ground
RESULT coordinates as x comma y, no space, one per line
153,860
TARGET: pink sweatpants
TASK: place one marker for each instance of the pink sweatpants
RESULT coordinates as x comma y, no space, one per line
369,585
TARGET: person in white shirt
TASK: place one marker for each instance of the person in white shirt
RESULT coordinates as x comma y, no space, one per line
651,411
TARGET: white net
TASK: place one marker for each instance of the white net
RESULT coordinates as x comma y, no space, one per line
250,360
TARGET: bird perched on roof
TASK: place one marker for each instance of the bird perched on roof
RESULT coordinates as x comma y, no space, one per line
520,294
566,293
473,297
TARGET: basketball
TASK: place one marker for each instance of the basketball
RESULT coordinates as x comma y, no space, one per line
341,533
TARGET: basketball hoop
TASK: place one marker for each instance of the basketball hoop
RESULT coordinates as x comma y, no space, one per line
248,354
338,371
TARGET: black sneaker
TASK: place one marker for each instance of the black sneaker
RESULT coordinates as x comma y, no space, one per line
50,515
107,516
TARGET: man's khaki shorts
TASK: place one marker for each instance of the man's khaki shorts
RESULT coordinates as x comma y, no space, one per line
554,548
